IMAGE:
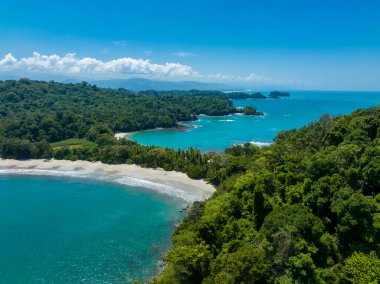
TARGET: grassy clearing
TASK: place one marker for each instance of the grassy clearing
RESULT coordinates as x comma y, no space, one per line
72,143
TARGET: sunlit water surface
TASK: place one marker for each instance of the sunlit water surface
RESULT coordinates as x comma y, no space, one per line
65,230
218,133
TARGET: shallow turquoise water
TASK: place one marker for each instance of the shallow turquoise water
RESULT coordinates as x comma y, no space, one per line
218,133
63,230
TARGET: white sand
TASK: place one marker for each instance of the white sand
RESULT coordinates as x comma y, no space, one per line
172,183
123,135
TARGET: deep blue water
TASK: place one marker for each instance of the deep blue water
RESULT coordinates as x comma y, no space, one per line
218,133
63,230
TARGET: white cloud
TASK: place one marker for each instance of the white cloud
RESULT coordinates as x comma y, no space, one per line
257,78
183,54
70,64
250,78
220,76
85,68
8,61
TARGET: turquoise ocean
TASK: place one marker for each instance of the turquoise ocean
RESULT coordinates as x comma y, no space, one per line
70,230
67,230
218,133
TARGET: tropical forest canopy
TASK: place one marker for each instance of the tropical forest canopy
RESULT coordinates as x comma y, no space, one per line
37,111
304,210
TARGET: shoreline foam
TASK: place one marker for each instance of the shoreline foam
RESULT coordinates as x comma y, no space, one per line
125,135
165,182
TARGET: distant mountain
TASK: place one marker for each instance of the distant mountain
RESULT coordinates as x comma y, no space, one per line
138,84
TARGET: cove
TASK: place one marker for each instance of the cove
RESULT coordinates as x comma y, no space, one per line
70,230
218,133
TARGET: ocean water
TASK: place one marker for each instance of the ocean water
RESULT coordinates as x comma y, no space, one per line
218,133
66,230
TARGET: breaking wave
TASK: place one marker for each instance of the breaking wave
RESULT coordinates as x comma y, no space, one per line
126,181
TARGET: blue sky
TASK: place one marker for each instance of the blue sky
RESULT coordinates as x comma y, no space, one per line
294,44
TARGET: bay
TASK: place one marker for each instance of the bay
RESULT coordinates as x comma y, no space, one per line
218,133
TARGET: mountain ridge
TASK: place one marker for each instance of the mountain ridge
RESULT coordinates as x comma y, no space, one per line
140,84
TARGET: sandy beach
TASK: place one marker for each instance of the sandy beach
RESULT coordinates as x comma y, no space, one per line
172,183
125,135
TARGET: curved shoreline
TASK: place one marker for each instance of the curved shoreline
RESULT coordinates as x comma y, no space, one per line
166,182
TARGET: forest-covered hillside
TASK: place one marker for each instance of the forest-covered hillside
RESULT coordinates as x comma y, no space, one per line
304,210
37,110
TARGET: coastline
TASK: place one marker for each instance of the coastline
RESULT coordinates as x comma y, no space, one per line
125,135
128,135
181,126
166,182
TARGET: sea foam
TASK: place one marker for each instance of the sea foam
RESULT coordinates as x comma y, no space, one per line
125,181
159,187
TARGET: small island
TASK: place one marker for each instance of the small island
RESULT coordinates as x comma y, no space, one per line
258,96
277,94
251,110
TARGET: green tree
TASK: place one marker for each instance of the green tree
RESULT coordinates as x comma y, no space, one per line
362,268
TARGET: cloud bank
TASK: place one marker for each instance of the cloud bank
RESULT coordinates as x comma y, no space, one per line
87,67
70,64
